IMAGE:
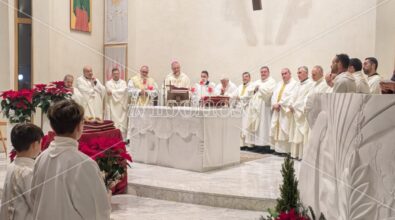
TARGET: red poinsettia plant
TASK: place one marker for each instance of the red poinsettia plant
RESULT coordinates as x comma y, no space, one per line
44,95
110,155
17,106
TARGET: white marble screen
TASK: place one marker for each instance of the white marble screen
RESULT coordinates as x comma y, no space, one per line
116,21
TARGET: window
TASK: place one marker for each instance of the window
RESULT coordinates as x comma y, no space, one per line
23,40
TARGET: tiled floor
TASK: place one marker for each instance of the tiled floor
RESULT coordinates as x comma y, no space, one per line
131,207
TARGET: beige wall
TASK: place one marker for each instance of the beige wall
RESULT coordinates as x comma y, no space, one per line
4,48
385,37
227,37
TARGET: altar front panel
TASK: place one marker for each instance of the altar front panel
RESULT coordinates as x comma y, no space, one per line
185,138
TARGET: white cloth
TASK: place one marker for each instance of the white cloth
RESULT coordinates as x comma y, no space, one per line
361,83
116,104
67,184
344,83
136,84
374,83
93,96
185,138
16,203
259,113
229,90
279,128
181,81
202,91
298,127
77,96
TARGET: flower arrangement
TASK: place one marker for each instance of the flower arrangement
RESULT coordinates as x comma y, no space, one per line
111,157
17,106
44,95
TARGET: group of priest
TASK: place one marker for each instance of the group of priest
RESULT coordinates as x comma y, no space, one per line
274,113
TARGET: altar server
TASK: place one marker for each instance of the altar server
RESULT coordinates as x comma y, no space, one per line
204,88
66,183
16,203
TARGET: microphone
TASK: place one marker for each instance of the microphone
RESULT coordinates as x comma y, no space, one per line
126,141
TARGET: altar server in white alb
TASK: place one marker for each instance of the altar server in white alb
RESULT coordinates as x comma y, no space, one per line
93,93
243,95
66,183
225,87
202,89
16,203
259,110
298,127
142,88
281,118
116,101
370,66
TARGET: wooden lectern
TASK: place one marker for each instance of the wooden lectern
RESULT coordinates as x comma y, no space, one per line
387,87
177,96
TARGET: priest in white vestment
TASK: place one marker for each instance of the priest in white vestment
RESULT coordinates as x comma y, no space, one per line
281,118
76,94
66,183
370,69
117,101
319,86
142,88
243,95
177,78
361,82
344,81
93,93
298,129
202,89
259,110
225,87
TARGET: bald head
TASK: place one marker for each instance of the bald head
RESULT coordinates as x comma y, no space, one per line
88,73
68,81
176,68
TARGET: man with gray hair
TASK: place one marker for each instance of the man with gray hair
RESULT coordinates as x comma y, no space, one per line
68,84
226,87
297,106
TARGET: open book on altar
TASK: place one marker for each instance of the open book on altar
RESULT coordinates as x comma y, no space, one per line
215,101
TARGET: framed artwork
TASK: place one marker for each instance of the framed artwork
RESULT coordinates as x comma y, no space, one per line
81,15
116,21
115,56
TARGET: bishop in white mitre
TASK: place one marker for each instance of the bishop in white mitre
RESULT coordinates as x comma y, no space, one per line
298,128
142,88
93,93
225,88
259,110
203,88
243,95
281,117
116,101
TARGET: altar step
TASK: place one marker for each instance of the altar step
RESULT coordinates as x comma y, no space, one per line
253,185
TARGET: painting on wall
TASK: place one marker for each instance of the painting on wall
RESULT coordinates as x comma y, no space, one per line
81,15
116,21
115,56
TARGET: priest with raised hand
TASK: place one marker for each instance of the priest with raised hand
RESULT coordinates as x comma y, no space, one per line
226,87
116,101
92,92
142,88
298,127
259,110
281,118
